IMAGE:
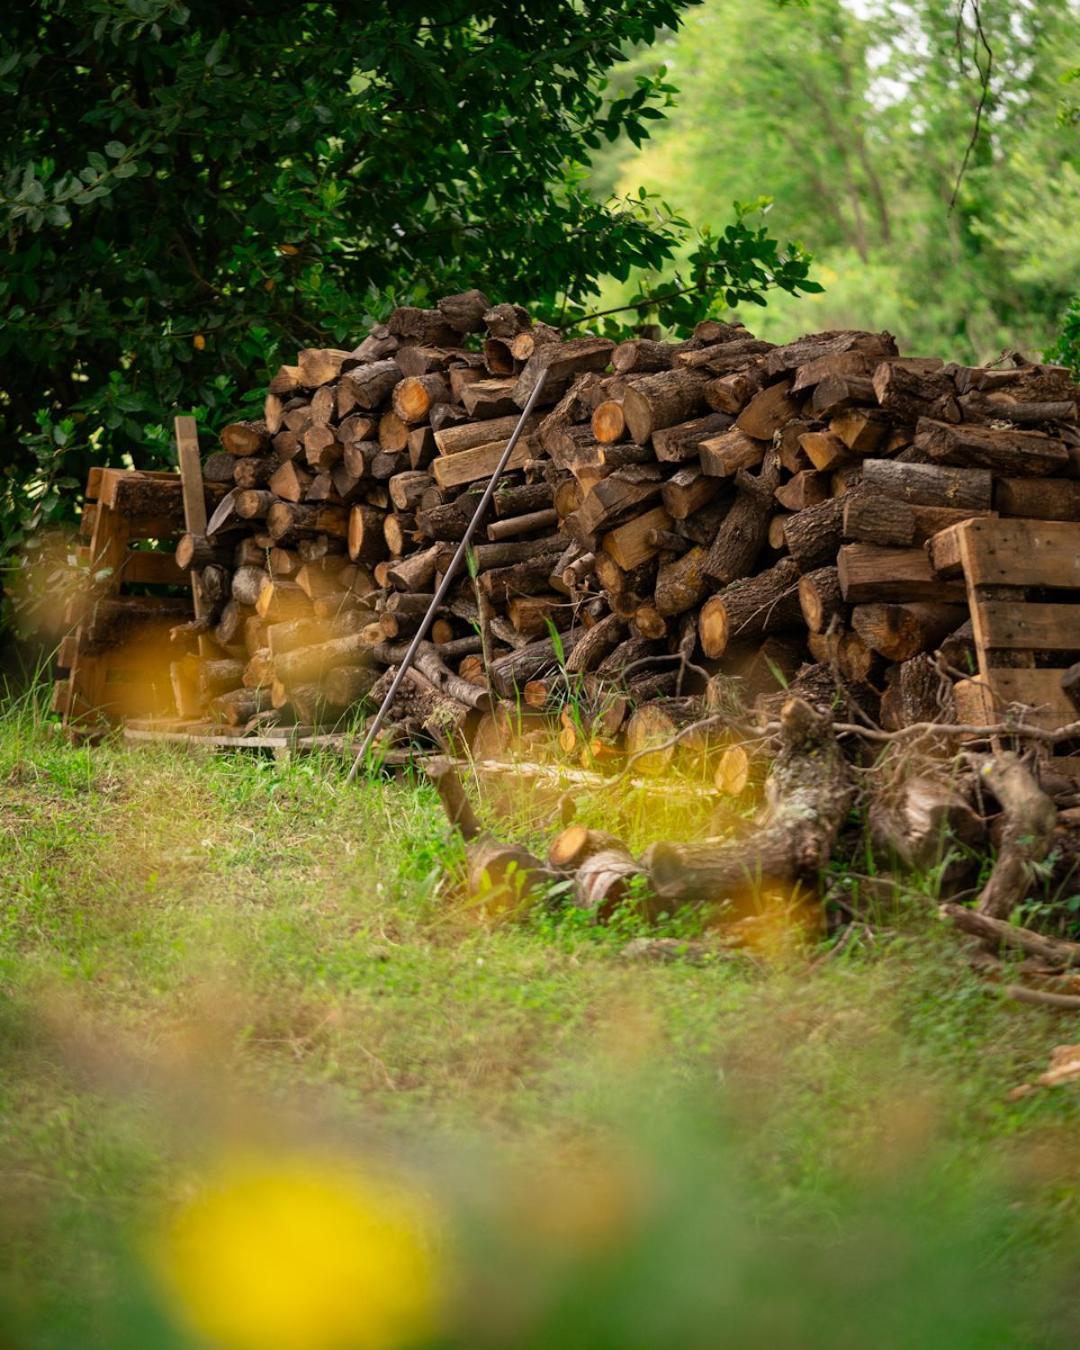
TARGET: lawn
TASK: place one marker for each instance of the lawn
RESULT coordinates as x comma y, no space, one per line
206,960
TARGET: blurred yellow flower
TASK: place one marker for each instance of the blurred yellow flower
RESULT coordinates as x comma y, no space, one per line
292,1253
198,342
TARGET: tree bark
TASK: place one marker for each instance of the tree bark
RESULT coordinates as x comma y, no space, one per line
766,603
814,536
744,530
929,484
1003,450
899,632
922,819
682,584
681,443
820,598
808,791
1030,817
662,400
511,671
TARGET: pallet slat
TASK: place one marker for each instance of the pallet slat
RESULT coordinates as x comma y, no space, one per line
1011,552
1027,625
1000,560
118,656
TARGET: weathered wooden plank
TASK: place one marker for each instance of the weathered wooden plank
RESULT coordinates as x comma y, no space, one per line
151,568
194,499
1010,552
1040,627
983,701
191,480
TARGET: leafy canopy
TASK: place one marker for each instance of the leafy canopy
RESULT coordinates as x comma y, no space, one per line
189,192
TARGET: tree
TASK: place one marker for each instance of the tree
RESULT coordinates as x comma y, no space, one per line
191,191
855,119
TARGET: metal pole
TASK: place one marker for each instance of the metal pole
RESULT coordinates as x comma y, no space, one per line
447,581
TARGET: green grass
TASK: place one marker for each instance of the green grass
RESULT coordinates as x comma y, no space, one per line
199,951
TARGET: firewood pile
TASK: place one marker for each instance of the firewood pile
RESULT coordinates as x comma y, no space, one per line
676,513
831,588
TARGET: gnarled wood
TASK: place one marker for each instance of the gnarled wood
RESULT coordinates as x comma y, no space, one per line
808,791
1027,837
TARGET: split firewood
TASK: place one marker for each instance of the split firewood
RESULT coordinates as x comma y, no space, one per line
813,536
682,442
915,692
561,362
930,484
838,459
306,665
744,529
245,438
603,880
766,603
682,584
1003,450
872,573
662,400
247,584
504,876
640,356
898,632
220,676
820,598
510,672
238,706
871,518
768,411
595,644
655,725
915,388
723,456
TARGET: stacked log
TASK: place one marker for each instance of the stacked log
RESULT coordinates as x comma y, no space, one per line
673,511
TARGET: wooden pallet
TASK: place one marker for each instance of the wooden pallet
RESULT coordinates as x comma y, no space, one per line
117,654
1023,588
208,736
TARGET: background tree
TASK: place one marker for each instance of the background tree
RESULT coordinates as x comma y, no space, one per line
191,191
855,119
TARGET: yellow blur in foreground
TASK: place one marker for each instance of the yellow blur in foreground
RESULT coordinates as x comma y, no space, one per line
299,1254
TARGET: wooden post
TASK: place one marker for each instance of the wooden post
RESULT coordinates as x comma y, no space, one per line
191,483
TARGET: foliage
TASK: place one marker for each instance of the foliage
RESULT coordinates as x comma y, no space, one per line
190,191
855,118
211,961
1067,348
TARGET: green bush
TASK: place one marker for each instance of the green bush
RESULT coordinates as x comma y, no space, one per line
191,192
